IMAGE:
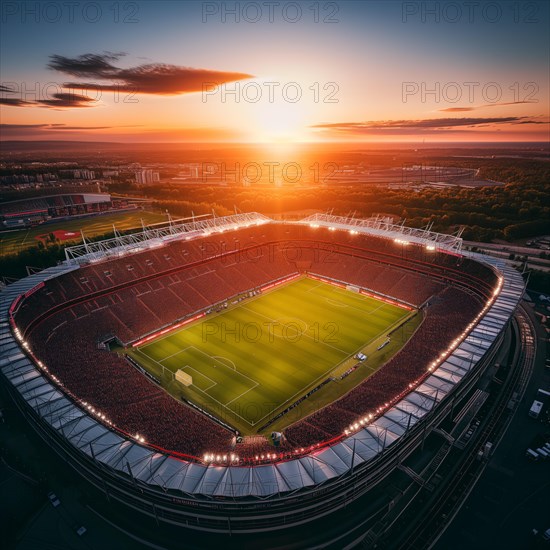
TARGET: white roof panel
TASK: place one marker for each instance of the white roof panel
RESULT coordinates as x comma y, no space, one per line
400,417
209,481
295,474
192,478
329,456
171,473
235,482
448,375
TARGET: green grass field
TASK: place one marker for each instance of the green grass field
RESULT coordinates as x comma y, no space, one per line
254,359
13,242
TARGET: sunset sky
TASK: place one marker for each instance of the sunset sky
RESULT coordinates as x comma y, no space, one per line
367,71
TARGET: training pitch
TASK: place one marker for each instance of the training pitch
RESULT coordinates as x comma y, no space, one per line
255,358
13,242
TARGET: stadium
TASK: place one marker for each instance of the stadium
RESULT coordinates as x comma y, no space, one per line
244,376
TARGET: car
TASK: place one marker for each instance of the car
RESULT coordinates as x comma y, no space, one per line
80,530
53,499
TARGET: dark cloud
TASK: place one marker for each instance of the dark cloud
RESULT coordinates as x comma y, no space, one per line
59,100
63,127
23,126
436,125
14,102
509,103
19,127
463,109
88,65
11,101
64,101
532,122
151,78
457,109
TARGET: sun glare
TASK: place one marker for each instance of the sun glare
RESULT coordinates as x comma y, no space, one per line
283,123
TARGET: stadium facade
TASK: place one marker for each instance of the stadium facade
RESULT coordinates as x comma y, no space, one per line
225,494
21,213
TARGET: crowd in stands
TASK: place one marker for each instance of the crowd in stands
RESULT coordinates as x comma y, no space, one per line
131,401
258,446
390,281
296,244
139,293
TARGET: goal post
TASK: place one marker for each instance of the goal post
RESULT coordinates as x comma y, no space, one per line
184,378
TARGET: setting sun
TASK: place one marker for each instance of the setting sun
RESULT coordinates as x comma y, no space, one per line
284,123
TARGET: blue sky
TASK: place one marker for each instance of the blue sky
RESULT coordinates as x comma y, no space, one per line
367,53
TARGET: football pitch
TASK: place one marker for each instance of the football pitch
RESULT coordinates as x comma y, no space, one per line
260,355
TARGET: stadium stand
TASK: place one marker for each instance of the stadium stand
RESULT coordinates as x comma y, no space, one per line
136,294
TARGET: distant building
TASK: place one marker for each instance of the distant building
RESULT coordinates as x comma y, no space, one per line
82,174
192,170
16,179
147,177
87,174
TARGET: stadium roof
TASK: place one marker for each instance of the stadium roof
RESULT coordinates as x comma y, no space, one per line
121,245
383,227
153,237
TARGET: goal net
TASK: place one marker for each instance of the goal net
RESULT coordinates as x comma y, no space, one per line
353,288
184,378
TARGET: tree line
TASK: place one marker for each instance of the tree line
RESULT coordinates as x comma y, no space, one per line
518,209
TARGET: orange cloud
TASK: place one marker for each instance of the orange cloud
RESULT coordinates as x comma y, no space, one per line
152,78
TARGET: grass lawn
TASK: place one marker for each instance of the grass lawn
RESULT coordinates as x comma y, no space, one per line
257,357
12,242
